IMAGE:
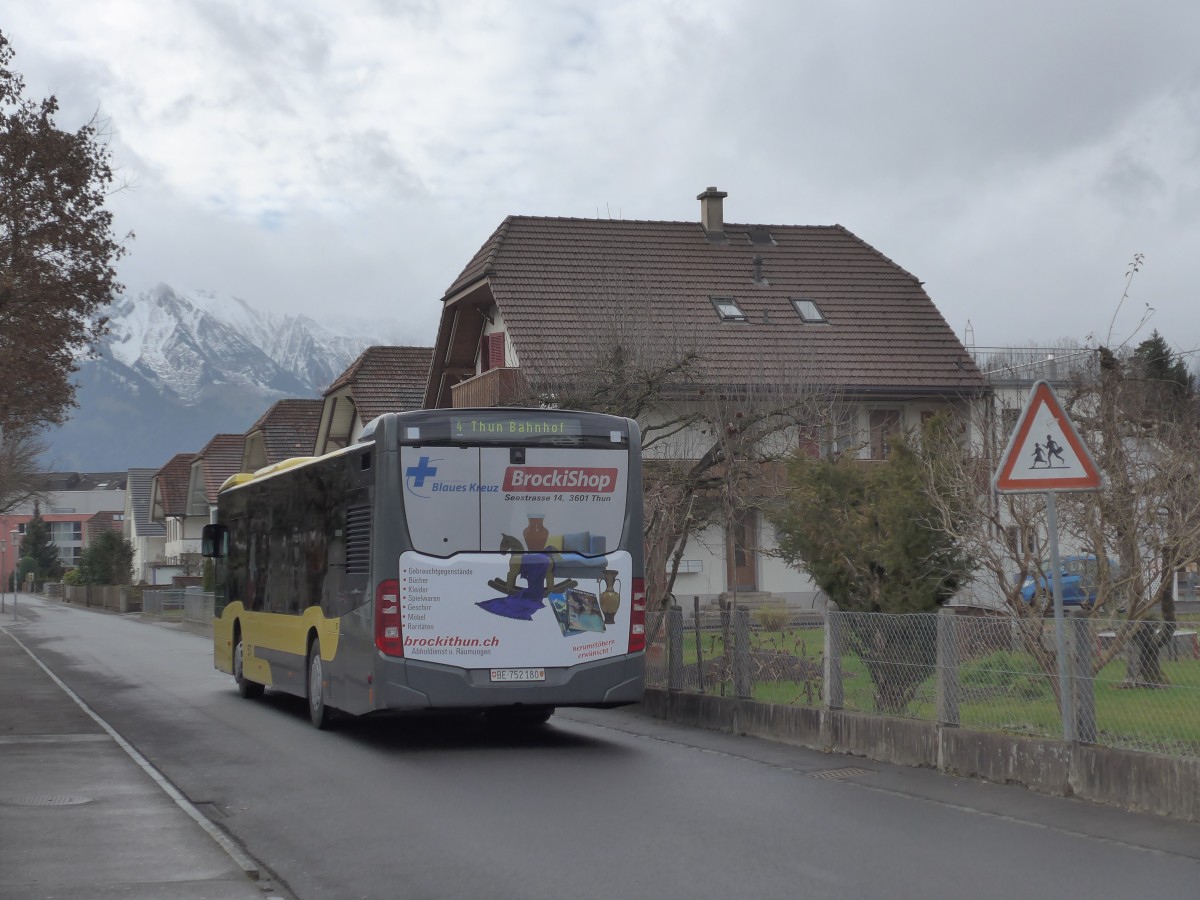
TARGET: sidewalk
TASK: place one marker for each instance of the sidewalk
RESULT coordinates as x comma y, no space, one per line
83,815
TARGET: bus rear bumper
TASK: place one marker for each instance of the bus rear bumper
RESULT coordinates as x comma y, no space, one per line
412,684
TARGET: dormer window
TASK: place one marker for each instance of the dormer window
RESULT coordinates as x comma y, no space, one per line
728,309
809,312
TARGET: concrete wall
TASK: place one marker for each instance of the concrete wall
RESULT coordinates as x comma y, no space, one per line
113,598
1141,782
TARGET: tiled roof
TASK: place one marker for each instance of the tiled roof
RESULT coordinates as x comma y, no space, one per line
289,428
101,522
140,482
83,481
220,458
386,379
173,484
562,285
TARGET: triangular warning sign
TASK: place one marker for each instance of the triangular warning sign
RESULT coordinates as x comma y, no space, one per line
1045,452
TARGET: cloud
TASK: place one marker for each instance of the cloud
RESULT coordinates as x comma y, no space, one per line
1012,155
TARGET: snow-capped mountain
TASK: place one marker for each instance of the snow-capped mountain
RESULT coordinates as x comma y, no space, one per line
178,368
197,342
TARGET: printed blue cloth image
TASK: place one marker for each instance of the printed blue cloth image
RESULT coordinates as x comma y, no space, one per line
527,600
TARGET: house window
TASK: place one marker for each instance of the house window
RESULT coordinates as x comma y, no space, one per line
66,532
884,423
491,351
808,311
831,437
728,309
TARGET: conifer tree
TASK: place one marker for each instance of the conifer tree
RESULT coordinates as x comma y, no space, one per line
109,560
38,546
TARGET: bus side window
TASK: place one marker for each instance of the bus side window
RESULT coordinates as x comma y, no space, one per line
214,541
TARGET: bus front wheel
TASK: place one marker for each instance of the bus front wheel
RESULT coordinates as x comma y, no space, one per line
318,712
251,690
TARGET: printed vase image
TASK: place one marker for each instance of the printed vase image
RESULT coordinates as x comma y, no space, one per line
535,534
610,597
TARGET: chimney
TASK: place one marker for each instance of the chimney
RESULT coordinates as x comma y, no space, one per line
712,217
758,270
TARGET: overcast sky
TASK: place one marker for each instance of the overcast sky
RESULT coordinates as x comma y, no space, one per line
350,156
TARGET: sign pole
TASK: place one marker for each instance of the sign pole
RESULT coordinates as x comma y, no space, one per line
1045,454
1060,628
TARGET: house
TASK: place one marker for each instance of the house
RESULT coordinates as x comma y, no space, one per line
76,507
169,507
1011,373
220,458
286,430
148,538
382,379
762,308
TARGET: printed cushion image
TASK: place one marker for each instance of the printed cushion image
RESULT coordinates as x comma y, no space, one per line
582,556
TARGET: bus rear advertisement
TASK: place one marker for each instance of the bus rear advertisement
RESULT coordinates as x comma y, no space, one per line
451,559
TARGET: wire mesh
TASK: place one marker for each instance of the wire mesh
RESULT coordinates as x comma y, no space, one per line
1146,686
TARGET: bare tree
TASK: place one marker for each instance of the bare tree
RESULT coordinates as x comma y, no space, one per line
1143,432
711,450
19,468
1141,527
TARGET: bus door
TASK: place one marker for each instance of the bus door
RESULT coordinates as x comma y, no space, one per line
517,561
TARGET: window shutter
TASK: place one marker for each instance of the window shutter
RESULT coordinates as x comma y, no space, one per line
491,351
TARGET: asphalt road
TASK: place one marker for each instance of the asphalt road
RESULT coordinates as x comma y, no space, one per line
594,805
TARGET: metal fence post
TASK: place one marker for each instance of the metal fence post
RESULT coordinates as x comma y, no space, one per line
1083,685
832,688
741,653
674,649
947,668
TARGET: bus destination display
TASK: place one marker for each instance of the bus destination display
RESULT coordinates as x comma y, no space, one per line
506,428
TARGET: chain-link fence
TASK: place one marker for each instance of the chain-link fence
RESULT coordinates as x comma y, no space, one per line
1132,685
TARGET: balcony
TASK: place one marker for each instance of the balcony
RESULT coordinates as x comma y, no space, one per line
1025,365
495,387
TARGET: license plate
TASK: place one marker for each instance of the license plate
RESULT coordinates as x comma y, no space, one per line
518,674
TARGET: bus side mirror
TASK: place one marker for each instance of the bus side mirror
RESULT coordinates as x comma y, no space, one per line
214,541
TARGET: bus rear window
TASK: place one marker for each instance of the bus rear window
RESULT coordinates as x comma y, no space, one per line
470,499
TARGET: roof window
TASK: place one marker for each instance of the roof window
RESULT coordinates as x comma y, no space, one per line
808,311
760,235
728,309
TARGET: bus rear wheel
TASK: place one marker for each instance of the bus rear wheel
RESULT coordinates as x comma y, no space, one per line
319,712
251,690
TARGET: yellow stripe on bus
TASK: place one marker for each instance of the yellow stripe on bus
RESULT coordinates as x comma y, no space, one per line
271,631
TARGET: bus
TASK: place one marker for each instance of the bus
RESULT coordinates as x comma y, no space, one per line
472,560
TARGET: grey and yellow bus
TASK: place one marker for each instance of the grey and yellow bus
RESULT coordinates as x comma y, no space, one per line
472,560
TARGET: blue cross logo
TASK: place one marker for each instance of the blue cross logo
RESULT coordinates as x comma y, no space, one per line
420,472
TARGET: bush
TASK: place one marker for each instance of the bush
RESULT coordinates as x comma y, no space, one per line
774,618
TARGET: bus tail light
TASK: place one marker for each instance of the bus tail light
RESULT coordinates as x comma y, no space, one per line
637,617
389,636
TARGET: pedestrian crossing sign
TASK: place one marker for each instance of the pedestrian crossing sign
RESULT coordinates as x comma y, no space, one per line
1045,452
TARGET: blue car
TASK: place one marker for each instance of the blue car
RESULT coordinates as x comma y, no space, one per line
1080,582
